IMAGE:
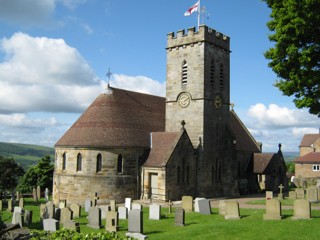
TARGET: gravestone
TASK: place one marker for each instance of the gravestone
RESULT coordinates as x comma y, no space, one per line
87,205
28,217
38,192
21,202
113,205
137,206
17,216
269,195
72,225
18,195
135,221
280,195
1,208
128,203
154,212
104,209
292,195
76,210
300,193
10,206
95,199
112,220
301,209
232,210
43,212
273,210
204,206
65,215
123,213
169,206
94,218
50,224
179,218
304,183
50,209
34,194
222,207
187,203
312,194
296,182
196,204
46,194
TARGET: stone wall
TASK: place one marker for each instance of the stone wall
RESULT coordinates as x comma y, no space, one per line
306,170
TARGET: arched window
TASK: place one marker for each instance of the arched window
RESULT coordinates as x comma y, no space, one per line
99,163
79,162
221,76
184,79
212,72
119,164
64,161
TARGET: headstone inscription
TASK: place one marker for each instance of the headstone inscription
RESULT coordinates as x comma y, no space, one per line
301,209
187,203
94,218
204,206
154,212
123,212
128,203
76,209
50,224
135,221
112,220
232,210
273,210
179,218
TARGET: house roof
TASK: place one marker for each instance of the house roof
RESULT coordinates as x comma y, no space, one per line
163,144
245,141
309,139
262,161
312,157
120,118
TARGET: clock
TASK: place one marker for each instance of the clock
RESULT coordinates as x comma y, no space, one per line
217,101
184,100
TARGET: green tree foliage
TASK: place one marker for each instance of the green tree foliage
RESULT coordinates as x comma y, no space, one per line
295,58
290,167
38,175
10,171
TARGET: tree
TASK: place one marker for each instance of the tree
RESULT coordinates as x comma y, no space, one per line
38,175
10,171
295,58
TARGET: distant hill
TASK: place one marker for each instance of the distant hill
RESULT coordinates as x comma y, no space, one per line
290,156
25,154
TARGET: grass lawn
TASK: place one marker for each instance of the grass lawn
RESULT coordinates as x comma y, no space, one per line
250,226
284,202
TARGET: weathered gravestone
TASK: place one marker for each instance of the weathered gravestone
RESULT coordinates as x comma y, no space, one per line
154,212
28,217
300,193
72,225
135,221
76,209
104,209
187,203
18,195
222,207
269,195
50,224
50,209
137,206
301,209
312,194
21,202
112,220
113,205
10,206
34,194
204,206
94,218
273,210
179,218
87,205
196,204
123,212
65,215
38,192
292,195
17,217
128,203
43,212
232,210
46,194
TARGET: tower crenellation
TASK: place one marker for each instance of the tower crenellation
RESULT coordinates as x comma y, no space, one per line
209,35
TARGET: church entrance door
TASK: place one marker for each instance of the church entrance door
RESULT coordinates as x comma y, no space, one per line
153,179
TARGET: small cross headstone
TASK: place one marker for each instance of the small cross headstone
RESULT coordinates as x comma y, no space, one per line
280,195
128,203
155,212
187,203
273,210
76,209
123,212
87,205
179,218
50,224
94,218
232,210
135,221
112,221
301,209
28,217
204,206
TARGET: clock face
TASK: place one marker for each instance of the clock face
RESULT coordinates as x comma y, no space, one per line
217,101
184,100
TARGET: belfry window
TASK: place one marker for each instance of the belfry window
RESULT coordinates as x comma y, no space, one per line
64,161
184,79
79,162
221,76
99,163
212,71
119,164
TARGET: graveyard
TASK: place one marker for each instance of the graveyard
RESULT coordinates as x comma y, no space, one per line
266,218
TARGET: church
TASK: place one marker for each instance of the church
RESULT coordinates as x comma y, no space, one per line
190,142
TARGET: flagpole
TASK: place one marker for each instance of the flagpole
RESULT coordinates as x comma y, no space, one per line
199,11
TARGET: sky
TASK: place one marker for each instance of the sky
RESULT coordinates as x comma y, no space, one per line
54,56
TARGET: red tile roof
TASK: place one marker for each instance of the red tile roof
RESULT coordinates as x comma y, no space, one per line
163,144
309,139
118,119
313,157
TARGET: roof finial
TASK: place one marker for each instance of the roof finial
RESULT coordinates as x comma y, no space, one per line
183,123
280,145
109,76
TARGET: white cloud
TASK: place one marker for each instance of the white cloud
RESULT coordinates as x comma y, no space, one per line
139,84
44,74
72,4
22,121
27,12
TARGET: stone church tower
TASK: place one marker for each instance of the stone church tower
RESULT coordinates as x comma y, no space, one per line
198,93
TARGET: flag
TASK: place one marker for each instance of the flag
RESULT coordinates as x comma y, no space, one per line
194,8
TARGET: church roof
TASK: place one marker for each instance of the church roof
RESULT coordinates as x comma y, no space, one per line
309,139
312,157
120,118
244,140
163,144
262,162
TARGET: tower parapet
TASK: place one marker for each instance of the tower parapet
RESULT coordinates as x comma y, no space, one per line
204,34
